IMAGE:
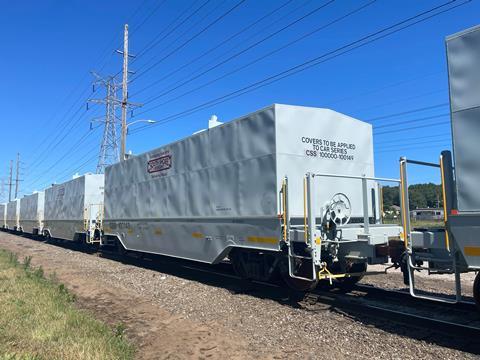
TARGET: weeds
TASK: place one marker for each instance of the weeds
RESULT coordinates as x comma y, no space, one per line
38,313
26,262
12,258
119,330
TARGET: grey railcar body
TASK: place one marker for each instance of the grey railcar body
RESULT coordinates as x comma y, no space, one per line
31,213
13,213
463,54
454,249
72,207
3,216
202,196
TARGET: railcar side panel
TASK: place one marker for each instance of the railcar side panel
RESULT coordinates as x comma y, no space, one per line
69,205
13,212
218,189
31,212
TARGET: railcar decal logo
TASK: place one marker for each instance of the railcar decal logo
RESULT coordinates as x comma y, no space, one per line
161,163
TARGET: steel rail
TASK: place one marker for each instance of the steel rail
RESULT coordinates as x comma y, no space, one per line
346,302
369,308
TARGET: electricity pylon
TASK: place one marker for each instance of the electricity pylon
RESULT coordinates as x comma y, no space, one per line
109,152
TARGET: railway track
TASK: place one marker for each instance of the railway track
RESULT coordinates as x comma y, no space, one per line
454,326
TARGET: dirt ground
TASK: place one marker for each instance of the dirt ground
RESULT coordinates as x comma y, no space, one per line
156,333
171,317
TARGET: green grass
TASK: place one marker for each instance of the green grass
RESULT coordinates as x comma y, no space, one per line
428,224
39,320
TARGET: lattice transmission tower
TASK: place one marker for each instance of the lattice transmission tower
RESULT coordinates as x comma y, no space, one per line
109,150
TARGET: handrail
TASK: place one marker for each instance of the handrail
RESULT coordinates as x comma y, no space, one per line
424,163
305,226
357,177
380,193
284,203
444,198
404,206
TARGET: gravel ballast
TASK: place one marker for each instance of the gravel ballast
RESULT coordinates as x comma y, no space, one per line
263,328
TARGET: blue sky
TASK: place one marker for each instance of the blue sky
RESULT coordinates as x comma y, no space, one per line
49,47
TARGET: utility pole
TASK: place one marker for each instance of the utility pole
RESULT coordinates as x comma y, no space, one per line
10,182
2,190
109,146
17,179
124,93
125,103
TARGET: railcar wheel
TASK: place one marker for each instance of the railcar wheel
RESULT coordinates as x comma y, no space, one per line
298,284
238,266
476,290
352,280
47,238
303,269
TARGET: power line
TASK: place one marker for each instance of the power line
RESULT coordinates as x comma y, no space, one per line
53,145
73,170
92,149
261,31
402,140
57,139
249,63
186,31
211,50
70,151
413,148
414,142
237,54
408,112
64,123
400,100
403,122
149,15
225,14
155,41
380,34
395,84
412,128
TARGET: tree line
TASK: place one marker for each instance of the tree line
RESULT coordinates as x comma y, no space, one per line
420,196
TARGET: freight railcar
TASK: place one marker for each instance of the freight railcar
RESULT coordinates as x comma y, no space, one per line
13,212
455,248
73,209
251,189
3,216
31,213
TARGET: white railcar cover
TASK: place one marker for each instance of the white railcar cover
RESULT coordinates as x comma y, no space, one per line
219,188
31,211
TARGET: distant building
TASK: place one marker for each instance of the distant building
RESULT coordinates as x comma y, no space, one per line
396,208
427,214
